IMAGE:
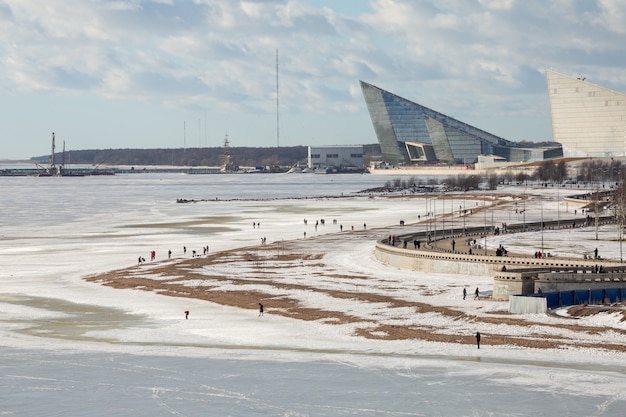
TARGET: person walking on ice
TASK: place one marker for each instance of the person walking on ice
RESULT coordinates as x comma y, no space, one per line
260,309
464,293
478,340
476,294
186,314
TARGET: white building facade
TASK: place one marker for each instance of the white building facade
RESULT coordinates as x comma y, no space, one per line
587,120
336,158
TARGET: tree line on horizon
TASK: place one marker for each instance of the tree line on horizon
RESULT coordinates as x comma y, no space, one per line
600,172
241,156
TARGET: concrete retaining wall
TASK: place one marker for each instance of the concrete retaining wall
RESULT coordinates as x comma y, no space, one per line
572,282
459,263
432,261
518,279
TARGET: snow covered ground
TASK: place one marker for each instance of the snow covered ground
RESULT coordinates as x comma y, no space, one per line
76,348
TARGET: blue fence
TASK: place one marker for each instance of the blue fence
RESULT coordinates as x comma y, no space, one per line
568,298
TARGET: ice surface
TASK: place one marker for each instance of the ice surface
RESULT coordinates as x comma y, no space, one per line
75,348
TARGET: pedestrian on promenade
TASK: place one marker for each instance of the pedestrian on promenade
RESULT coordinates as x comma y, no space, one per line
478,340
260,309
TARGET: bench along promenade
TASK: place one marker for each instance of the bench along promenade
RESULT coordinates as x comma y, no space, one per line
463,252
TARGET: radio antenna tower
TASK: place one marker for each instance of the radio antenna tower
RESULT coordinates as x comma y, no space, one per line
277,108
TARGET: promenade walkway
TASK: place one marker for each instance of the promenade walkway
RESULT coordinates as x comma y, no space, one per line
474,238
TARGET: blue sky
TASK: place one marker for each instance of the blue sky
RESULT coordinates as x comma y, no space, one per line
166,73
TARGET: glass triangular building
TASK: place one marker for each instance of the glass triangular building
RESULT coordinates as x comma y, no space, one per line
409,133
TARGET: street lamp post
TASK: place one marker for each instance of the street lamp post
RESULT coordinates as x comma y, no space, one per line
443,217
435,219
452,217
595,204
620,192
492,204
621,238
524,211
542,227
596,199
621,217
428,216
558,206
464,216
485,224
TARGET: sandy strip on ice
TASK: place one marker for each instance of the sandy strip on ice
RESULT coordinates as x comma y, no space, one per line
301,279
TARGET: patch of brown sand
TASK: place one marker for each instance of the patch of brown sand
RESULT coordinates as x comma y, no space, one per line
172,278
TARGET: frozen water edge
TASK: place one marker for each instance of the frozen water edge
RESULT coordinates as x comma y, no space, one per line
153,361
147,385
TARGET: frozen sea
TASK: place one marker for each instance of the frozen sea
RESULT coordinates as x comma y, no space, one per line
72,348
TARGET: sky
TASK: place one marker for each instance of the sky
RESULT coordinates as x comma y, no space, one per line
172,74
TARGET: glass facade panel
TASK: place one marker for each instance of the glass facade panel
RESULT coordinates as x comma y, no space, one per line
397,121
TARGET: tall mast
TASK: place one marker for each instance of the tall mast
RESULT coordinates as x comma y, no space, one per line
277,108
52,155
226,161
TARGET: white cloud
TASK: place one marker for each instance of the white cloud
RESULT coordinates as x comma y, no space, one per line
497,4
221,55
611,16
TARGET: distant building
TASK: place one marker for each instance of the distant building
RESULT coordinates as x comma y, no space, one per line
336,158
588,120
409,133
490,159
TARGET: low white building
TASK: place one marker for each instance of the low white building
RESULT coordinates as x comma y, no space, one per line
336,158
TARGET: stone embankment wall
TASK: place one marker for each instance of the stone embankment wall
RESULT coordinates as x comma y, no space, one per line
426,260
430,260
519,277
